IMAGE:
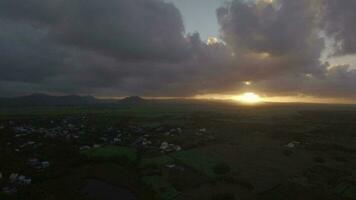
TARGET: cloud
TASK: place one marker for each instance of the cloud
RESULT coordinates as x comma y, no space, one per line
279,45
339,24
139,47
109,48
339,81
284,34
126,29
125,46
26,54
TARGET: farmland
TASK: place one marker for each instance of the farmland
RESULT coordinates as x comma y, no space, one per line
178,150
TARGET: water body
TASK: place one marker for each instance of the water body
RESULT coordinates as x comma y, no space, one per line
98,190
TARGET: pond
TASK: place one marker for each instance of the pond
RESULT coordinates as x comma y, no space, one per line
95,189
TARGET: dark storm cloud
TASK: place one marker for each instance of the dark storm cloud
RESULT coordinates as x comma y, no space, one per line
279,45
339,81
26,55
127,29
139,47
125,46
285,31
339,23
115,47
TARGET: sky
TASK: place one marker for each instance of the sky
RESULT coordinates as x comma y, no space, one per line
159,48
200,16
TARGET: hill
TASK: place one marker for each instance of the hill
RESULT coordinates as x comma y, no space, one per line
132,100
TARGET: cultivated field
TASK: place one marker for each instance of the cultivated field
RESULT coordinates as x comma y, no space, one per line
185,150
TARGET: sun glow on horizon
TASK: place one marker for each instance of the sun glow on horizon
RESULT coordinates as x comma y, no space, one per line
251,98
248,98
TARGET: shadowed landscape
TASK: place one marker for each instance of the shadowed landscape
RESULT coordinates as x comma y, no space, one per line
177,100
176,149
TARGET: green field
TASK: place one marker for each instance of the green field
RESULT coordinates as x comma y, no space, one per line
161,187
227,151
198,161
159,161
111,152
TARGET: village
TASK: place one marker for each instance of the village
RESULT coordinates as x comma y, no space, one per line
29,140
191,155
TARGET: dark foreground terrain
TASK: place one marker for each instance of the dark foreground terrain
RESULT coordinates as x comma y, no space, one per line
178,150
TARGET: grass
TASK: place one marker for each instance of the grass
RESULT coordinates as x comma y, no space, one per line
346,189
198,161
350,192
112,152
161,187
156,161
202,172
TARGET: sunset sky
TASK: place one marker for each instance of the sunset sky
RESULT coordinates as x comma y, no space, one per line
280,49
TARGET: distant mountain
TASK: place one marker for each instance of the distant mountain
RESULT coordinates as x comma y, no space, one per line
48,100
132,100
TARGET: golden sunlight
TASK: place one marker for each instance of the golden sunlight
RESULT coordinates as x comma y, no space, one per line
247,83
267,1
248,98
212,41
